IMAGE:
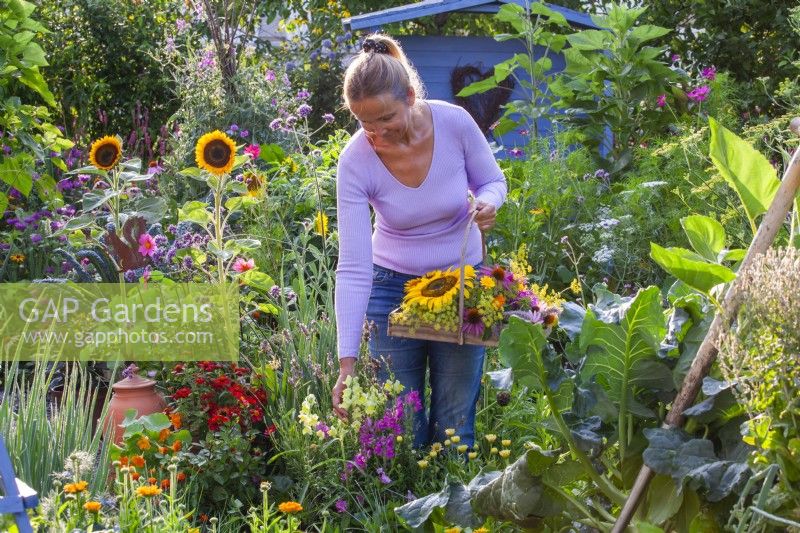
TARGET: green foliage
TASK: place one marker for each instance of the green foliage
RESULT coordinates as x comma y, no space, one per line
104,58
532,26
611,80
748,38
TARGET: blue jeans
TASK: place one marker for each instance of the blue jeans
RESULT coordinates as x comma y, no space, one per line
455,371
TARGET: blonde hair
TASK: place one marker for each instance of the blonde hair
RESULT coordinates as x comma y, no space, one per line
381,68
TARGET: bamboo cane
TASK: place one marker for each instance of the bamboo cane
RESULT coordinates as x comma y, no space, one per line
707,353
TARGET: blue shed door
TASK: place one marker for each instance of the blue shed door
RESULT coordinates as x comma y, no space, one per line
435,58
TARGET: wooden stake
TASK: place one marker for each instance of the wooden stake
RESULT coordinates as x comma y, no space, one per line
707,353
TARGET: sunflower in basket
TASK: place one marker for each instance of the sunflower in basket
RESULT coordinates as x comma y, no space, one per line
437,289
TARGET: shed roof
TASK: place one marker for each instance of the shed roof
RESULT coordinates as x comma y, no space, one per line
434,7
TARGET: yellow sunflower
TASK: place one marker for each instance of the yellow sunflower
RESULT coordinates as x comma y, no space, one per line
105,152
215,152
321,223
437,289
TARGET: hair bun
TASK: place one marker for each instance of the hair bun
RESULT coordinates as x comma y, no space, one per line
373,46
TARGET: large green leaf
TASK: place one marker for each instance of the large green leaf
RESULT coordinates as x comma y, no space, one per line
624,356
15,171
647,32
693,462
588,40
690,268
706,235
521,347
745,169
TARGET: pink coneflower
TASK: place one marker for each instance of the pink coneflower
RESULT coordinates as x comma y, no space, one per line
243,265
662,100
473,322
709,73
699,94
253,150
147,245
500,275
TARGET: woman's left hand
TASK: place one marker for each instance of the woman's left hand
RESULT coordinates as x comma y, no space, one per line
487,213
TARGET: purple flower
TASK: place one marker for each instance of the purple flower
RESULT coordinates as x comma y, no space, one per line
303,94
276,124
304,110
675,58
383,477
662,100
6,149
473,322
291,120
341,506
180,25
244,133
709,73
234,127
270,75
327,43
328,118
360,461
699,94
564,239
36,238
323,428
516,152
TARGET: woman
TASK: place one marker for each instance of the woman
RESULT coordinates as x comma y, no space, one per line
413,161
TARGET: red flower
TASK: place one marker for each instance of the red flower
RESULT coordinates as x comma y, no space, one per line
178,368
199,380
256,415
183,392
216,421
221,382
208,366
270,430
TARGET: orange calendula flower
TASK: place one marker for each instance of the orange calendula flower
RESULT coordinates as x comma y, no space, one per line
175,418
152,480
290,507
177,445
165,484
75,488
138,461
148,491
164,434
123,460
499,301
163,450
135,476
181,477
143,443
92,507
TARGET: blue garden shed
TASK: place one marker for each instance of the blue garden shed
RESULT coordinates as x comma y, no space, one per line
448,62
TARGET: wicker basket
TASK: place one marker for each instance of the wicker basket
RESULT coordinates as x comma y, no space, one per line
456,337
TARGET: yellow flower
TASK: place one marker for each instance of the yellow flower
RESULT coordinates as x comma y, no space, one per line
437,289
92,507
321,223
143,443
253,182
423,463
493,450
18,258
105,152
399,438
453,530
148,491
490,438
74,488
456,439
436,447
472,455
481,530
537,211
462,448
449,432
575,286
488,282
215,152
290,507
504,453
506,442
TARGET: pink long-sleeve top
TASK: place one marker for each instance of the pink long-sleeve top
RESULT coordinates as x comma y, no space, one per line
416,229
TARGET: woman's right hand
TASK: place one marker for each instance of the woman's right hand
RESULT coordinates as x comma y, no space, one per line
347,367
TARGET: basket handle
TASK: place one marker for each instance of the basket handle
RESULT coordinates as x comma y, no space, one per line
462,265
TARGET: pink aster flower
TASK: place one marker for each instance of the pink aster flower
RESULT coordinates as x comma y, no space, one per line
699,94
243,265
253,150
147,245
662,100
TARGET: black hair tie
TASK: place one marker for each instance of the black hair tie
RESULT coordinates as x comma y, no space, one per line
377,47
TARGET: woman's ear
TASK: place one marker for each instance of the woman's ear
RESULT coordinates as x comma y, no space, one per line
411,97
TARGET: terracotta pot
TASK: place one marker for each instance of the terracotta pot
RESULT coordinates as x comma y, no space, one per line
133,392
